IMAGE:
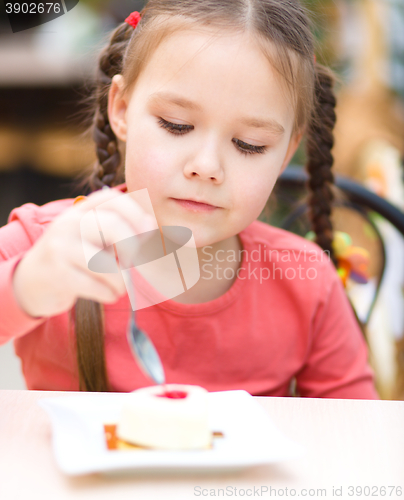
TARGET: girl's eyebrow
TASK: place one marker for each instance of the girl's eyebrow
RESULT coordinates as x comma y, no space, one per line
170,98
270,125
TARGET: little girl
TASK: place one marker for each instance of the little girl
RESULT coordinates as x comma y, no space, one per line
204,104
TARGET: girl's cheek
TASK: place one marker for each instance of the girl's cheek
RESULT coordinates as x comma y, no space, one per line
255,191
257,187
147,153
146,168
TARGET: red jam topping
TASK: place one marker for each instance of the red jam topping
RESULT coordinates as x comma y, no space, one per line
173,394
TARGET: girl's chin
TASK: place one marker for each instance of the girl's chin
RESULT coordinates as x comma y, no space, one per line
201,240
203,234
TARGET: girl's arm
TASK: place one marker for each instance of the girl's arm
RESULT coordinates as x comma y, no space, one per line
14,322
43,270
337,361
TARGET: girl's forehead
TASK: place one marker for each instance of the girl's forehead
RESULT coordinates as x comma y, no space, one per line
205,51
207,67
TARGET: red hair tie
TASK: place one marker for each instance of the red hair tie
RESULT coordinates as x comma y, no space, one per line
133,19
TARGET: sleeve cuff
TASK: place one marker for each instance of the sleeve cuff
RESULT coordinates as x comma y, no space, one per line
14,321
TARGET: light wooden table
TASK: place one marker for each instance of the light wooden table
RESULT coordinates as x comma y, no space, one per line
349,443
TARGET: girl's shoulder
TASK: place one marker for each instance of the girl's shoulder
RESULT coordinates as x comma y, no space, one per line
32,216
26,224
276,239
300,267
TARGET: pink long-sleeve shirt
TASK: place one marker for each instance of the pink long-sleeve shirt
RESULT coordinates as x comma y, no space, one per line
286,315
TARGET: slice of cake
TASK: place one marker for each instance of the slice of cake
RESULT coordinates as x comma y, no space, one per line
171,416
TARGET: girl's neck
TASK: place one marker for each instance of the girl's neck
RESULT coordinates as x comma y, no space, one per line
214,266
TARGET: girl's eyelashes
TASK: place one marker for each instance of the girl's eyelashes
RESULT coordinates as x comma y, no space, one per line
175,128
181,129
249,149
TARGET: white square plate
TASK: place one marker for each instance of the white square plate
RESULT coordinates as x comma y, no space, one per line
250,437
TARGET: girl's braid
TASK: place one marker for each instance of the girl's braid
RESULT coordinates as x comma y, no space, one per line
110,64
89,322
320,141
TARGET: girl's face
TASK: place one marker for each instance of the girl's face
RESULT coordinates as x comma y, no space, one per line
207,120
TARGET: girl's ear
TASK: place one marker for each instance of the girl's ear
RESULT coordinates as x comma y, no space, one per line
293,145
117,106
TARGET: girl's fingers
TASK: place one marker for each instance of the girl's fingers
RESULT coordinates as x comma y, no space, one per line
86,287
113,280
127,241
115,228
96,198
124,205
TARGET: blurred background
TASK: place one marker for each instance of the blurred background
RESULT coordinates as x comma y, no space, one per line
47,71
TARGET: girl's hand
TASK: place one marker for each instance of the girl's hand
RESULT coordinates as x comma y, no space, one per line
53,274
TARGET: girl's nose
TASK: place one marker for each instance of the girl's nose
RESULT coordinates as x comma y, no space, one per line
206,164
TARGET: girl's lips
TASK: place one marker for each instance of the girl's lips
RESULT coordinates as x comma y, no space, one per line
196,207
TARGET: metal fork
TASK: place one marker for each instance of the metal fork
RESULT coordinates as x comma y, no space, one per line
142,347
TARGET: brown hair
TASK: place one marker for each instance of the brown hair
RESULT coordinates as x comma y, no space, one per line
286,25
